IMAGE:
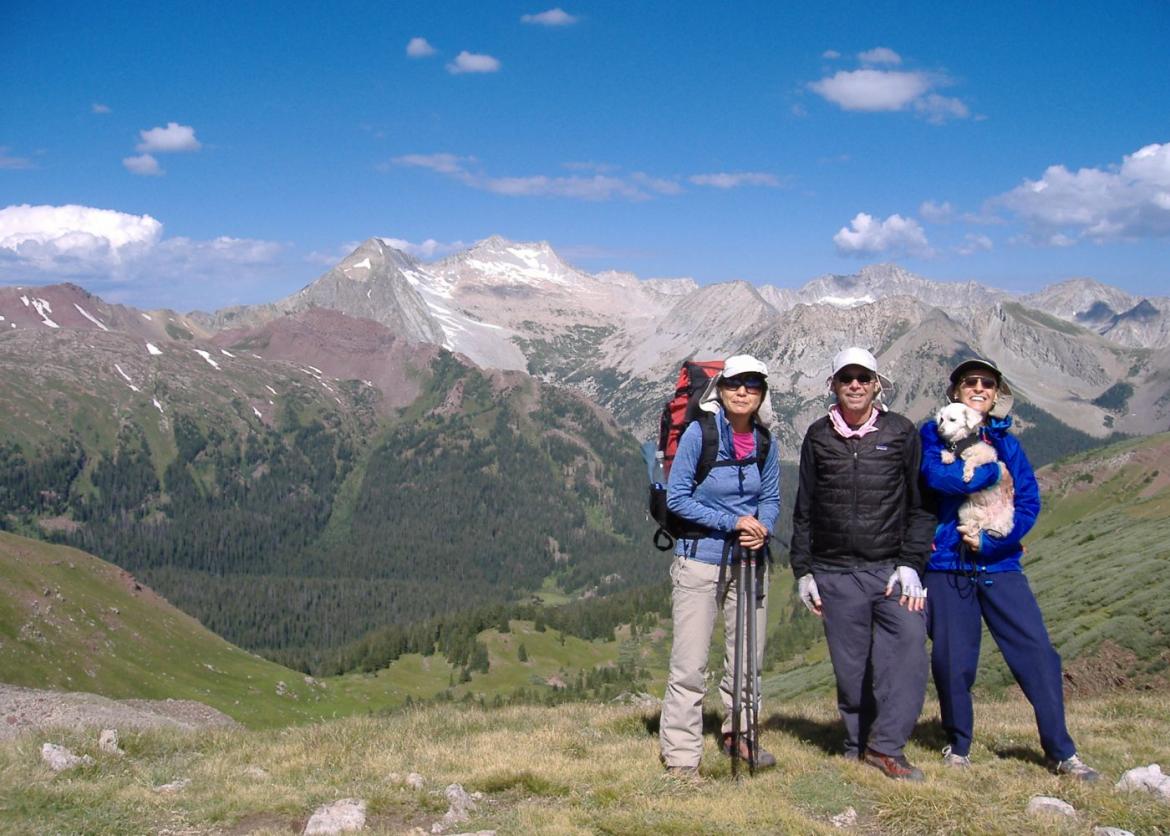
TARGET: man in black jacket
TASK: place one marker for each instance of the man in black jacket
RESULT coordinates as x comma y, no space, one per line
860,538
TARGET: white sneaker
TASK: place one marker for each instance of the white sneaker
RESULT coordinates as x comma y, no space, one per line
1075,767
953,760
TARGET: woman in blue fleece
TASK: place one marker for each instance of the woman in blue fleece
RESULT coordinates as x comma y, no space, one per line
738,501
975,577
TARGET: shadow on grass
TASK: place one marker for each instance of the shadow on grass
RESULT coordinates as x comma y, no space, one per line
1021,753
829,736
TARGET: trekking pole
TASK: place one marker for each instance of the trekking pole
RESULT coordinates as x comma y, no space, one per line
737,676
748,592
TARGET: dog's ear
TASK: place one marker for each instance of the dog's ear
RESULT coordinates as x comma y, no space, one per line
972,418
940,416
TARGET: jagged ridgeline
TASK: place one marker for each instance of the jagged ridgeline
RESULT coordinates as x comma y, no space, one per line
309,530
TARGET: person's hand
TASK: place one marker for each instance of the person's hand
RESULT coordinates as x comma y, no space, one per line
809,594
913,594
752,532
972,537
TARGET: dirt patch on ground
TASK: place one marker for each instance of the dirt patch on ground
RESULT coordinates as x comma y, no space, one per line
28,709
1108,669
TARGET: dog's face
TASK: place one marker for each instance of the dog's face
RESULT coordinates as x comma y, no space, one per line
957,421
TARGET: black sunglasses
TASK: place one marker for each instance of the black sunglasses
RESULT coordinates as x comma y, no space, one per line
752,384
986,382
845,378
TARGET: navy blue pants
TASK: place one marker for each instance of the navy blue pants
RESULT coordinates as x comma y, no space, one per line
956,606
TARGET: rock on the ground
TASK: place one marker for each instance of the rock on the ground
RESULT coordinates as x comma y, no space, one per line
1110,831
460,803
846,818
258,773
108,742
177,785
59,758
1047,805
415,781
344,816
1148,779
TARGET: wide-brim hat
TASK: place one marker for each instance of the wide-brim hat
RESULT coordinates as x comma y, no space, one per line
733,367
857,356
1003,395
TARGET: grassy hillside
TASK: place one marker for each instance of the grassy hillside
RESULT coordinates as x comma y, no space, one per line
582,769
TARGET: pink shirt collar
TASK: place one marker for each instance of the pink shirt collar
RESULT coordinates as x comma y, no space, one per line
846,431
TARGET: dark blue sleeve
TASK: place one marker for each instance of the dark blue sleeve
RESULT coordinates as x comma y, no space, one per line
948,478
1027,501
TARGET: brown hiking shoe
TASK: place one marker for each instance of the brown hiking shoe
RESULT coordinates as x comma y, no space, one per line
764,758
897,768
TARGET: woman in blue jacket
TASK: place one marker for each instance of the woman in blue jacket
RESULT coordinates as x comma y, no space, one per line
975,576
735,503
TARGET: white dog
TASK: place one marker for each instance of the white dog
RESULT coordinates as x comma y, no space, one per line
991,509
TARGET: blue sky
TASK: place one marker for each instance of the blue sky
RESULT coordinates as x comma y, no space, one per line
199,155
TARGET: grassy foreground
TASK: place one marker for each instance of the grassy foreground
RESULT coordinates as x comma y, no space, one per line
580,769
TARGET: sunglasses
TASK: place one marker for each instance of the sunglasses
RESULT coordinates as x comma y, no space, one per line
986,382
845,378
752,384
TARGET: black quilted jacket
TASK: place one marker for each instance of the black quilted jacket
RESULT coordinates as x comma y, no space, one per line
860,501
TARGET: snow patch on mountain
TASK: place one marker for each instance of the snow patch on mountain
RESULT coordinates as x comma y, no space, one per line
90,317
207,356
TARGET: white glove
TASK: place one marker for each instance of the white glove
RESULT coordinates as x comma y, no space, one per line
809,594
908,579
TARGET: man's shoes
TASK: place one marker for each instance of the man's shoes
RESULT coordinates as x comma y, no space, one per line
897,768
764,758
953,760
683,773
1075,767
852,755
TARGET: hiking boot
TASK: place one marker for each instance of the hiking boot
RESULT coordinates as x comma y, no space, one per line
897,768
851,755
764,758
1075,767
954,760
684,773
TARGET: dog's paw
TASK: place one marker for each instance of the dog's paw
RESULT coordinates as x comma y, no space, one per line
947,457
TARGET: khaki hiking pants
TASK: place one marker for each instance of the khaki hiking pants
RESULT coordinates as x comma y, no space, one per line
693,609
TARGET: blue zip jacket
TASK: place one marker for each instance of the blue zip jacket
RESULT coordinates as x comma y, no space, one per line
727,493
996,554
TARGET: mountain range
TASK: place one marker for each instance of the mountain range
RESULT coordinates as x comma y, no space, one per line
400,439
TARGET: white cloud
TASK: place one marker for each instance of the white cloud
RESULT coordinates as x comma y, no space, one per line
430,248
107,247
588,165
552,17
442,163
470,62
938,109
100,108
733,180
173,138
936,213
870,236
879,55
419,48
974,243
872,90
10,162
1124,202
831,54
143,164
63,238
877,90
600,186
